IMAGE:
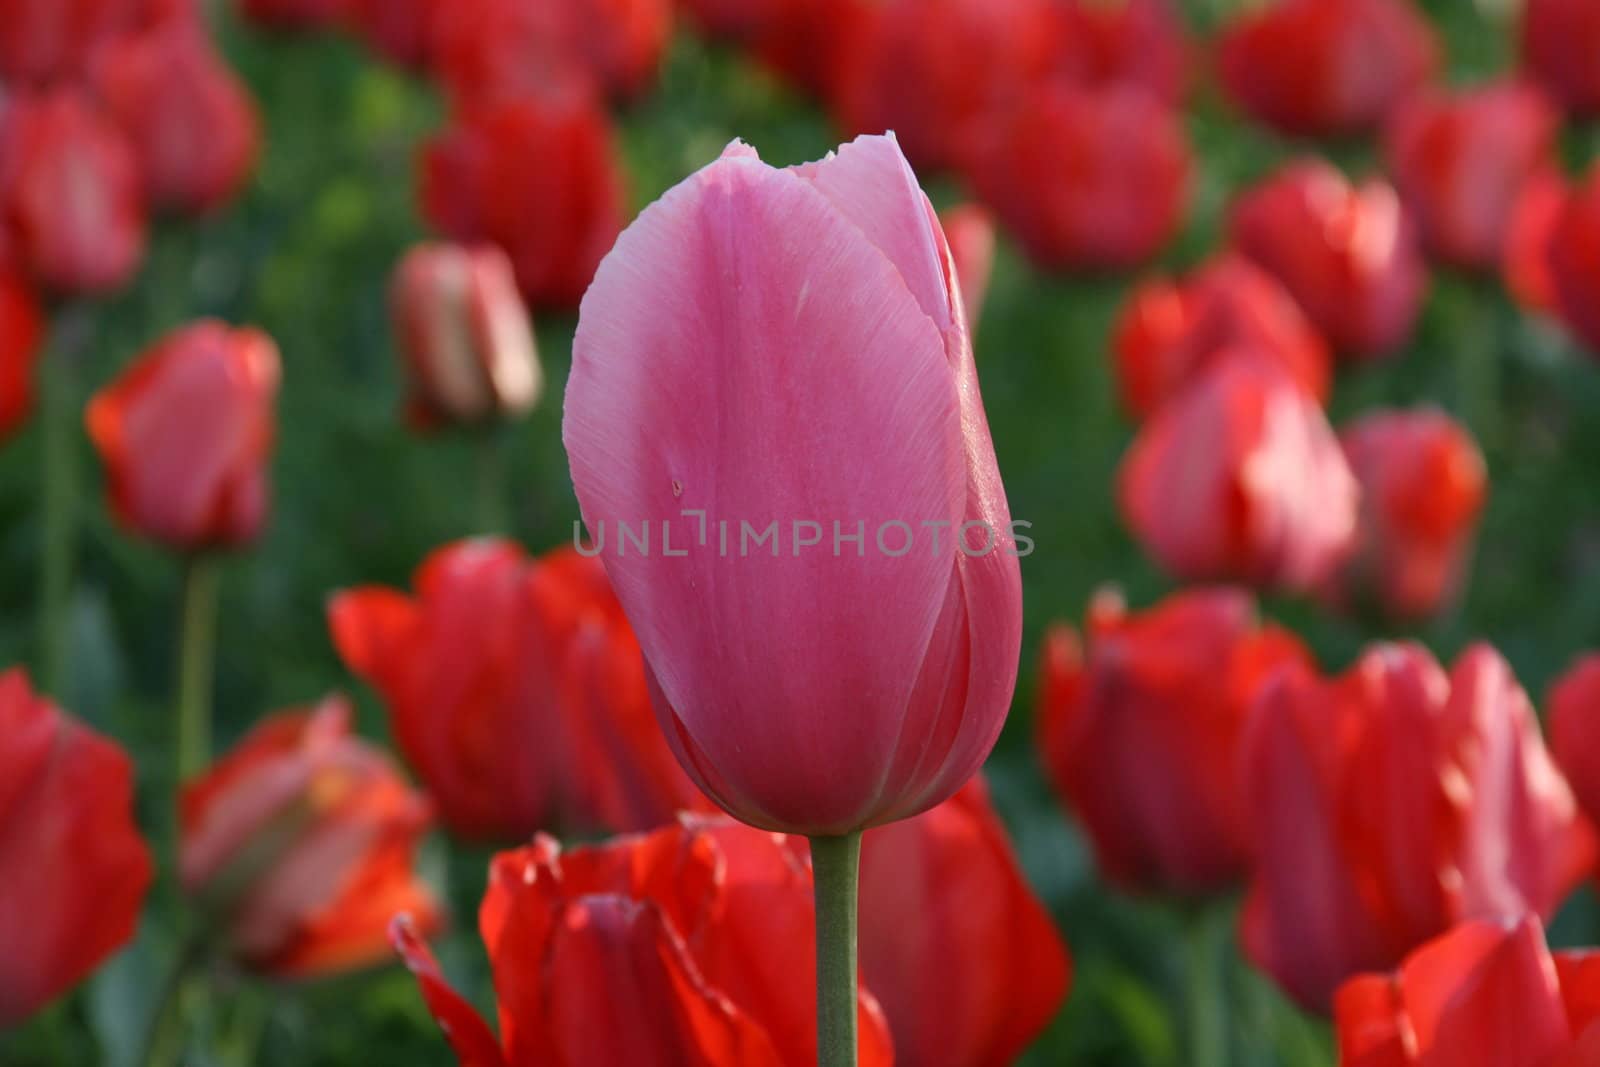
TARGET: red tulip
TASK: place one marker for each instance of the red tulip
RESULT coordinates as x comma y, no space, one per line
815,310
1574,722
1125,42
1561,51
537,177
78,867
45,42
1348,253
1171,332
1483,995
809,43
1460,161
1529,273
1141,736
300,842
970,231
487,52
400,31
1088,179
982,971
295,14
187,115
940,72
516,691
1240,478
185,435
468,344
1327,66
21,337
1392,803
690,945
1423,485
70,193
1574,260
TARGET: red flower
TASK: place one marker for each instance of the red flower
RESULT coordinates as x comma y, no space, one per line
1483,995
1561,51
1423,485
467,342
691,945
301,841
1392,803
1240,478
185,435
1574,260
1349,254
940,72
79,869
807,42
540,179
981,972
187,115
295,14
516,690
401,31
1574,706
1526,265
969,229
1461,160
43,42
1171,332
70,193
1128,42
487,52
21,334
1141,736
1326,66
1088,179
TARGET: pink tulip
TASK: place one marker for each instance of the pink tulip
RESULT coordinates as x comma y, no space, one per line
788,347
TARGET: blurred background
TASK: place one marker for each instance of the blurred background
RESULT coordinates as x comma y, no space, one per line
306,254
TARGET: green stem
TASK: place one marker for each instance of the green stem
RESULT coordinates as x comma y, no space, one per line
58,524
836,868
1207,995
493,516
196,647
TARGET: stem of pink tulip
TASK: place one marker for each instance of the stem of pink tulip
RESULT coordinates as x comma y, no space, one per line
196,650
836,869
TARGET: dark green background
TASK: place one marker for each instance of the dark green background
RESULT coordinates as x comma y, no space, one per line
306,255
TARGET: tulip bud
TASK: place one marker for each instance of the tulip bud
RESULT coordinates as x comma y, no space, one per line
1240,478
703,928
295,14
1461,161
467,342
1561,51
187,115
1124,42
1574,260
54,42
1170,333
79,869
1391,803
1423,484
1088,179
70,188
982,971
1574,706
185,435
970,231
1316,67
1530,233
298,843
1141,733
814,309
537,177
1485,994
1349,254
21,335
400,31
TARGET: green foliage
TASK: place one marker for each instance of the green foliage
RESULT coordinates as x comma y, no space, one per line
306,255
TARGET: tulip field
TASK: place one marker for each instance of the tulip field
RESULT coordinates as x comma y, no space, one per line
490,494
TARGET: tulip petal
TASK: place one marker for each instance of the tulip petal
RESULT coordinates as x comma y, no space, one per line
474,1043
823,359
